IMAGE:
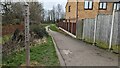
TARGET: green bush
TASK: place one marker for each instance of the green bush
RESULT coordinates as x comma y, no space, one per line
39,30
5,39
16,21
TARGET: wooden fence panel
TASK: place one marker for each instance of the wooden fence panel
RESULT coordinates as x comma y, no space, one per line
119,28
70,27
74,28
88,30
79,29
103,29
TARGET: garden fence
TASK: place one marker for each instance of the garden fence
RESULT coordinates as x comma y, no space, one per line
103,30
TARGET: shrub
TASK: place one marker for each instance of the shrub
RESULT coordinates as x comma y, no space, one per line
39,30
16,21
15,35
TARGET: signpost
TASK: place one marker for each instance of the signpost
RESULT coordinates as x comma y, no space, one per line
0,36
27,35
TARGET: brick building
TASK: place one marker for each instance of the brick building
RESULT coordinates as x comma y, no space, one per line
77,10
87,9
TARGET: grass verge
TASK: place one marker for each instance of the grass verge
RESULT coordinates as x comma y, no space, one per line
53,27
40,55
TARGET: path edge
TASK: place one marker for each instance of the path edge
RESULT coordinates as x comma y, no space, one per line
62,63
61,60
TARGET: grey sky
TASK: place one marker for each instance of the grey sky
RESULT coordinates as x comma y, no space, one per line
48,4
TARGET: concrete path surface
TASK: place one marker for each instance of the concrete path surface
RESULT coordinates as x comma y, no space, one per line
77,53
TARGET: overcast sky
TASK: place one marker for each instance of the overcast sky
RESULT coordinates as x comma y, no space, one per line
48,4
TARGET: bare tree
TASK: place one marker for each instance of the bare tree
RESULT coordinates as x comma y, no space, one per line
49,16
13,12
59,12
36,10
53,14
17,12
43,15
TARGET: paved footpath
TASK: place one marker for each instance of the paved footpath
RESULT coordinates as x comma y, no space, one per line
77,53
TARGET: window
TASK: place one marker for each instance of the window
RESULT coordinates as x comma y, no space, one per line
69,8
88,5
102,6
117,5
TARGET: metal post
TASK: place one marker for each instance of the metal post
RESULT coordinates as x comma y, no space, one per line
27,35
111,33
95,30
119,36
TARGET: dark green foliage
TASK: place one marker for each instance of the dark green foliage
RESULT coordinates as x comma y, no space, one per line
16,33
39,30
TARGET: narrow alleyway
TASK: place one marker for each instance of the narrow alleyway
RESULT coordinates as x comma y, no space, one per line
77,53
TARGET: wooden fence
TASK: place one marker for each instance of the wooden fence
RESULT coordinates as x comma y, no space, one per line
68,26
85,29
9,29
100,36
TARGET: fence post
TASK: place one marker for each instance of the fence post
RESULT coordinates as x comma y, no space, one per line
111,33
83,35
119,36
95,26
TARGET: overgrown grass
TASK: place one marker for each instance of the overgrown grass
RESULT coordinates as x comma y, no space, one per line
42,54
5,38
116,48
53,27
38,25
88,40
102,44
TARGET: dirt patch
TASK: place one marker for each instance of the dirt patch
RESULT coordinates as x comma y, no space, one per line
33,63
40,41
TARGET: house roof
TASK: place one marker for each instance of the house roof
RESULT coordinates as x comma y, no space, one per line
66,5
70,1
